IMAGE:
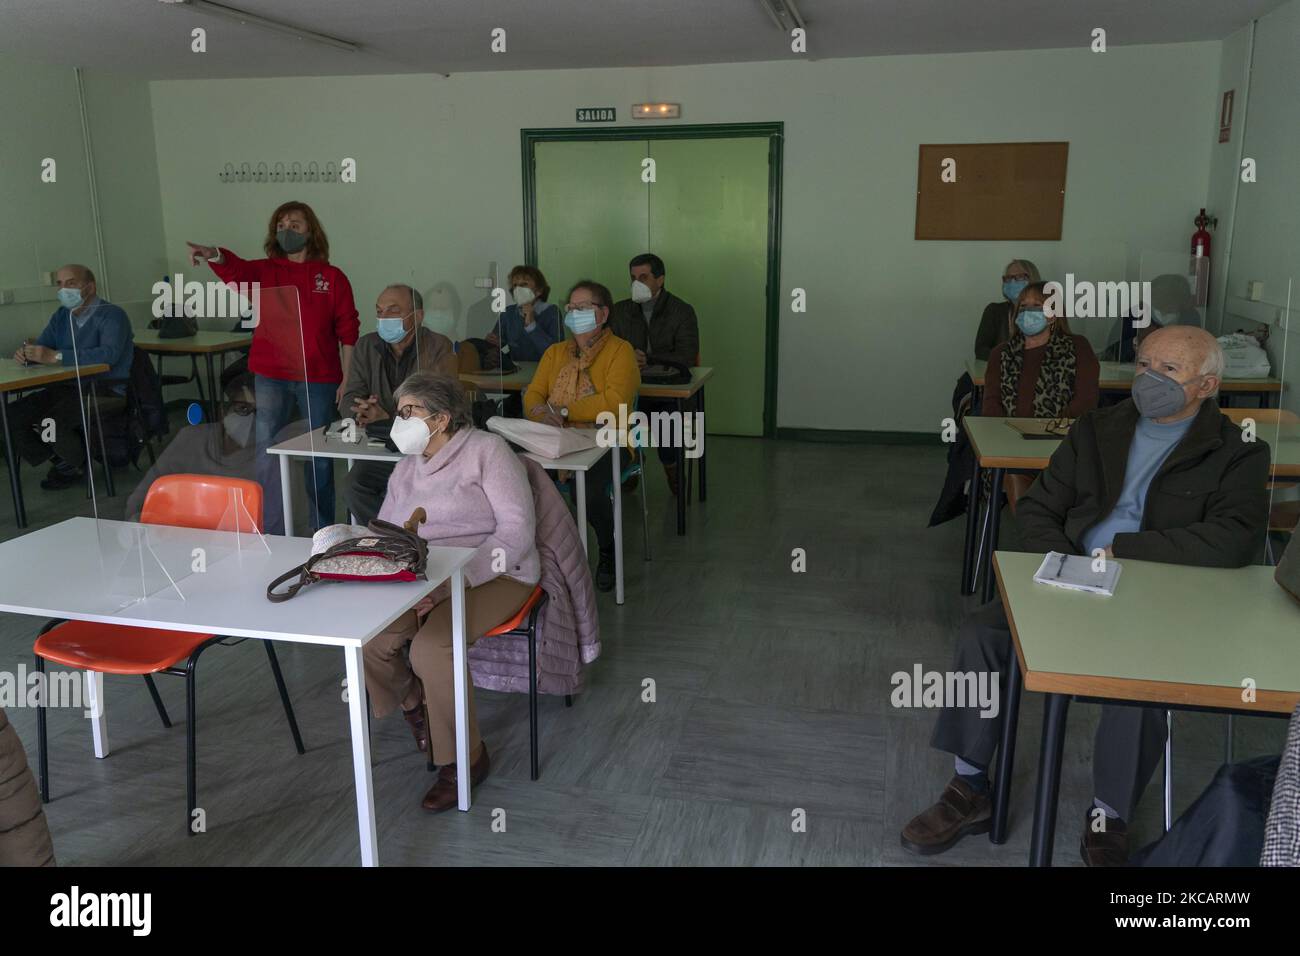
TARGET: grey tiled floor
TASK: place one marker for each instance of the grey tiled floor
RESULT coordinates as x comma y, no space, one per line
771,697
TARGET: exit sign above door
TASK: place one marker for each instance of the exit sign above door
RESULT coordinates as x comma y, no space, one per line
596,114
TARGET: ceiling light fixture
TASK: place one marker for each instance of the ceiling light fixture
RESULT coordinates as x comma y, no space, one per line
253,20
785,14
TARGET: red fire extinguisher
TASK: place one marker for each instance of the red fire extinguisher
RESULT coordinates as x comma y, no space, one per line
1200,264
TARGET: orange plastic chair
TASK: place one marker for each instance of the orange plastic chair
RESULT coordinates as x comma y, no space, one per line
204,501
524,623
187,501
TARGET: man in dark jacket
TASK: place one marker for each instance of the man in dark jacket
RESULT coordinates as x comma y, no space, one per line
658,324
1163,476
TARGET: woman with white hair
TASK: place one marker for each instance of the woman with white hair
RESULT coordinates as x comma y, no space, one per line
475,494
995,323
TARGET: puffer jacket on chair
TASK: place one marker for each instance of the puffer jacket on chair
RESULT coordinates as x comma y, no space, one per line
568,631
24,835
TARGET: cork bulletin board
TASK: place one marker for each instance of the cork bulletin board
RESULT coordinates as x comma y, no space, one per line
1001,191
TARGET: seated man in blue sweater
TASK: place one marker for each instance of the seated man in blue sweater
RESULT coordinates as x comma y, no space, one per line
84,330
1162,476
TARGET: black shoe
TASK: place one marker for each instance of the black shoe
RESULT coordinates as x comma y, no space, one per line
59,478
1108,847
605,572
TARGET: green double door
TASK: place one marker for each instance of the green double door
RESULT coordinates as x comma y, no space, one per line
706,214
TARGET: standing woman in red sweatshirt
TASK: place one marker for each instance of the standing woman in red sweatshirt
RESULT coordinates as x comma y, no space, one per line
294,367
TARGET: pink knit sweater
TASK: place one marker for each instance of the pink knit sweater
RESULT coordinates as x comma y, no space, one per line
475,493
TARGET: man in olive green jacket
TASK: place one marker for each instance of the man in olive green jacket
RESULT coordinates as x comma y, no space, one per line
381,361
1163,476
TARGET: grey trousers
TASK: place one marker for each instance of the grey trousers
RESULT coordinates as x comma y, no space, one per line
1129,742
364,489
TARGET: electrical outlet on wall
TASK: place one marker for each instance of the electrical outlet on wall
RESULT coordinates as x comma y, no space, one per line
483,282
6,297
47,278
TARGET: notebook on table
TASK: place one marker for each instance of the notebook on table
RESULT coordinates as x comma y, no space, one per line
1075,572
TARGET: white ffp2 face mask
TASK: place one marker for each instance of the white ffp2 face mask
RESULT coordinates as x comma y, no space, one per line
239,428
411,435
522,295
641,292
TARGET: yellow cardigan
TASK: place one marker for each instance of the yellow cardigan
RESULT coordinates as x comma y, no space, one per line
614,373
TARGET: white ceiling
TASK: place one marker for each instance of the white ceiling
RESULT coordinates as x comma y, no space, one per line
452,36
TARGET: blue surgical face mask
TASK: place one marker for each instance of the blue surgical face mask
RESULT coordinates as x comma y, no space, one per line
580,321
390,330
1013,289
70,298
1031,321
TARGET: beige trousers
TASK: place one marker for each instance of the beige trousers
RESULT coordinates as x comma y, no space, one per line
394,681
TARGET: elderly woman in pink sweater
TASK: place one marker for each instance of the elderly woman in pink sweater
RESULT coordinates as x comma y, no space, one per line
475,494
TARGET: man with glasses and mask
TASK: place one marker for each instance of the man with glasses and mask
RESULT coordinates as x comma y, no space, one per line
658,324
225,448
84,330
382,360
1162,476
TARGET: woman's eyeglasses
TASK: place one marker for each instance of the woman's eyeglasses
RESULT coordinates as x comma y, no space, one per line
242,408
406,411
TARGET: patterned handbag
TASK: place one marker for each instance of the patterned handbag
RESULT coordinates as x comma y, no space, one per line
342,552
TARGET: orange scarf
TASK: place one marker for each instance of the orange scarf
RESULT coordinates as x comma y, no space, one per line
573,381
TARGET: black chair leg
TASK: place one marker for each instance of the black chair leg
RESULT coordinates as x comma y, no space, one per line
532,700
568,700
191,736
191,769
284,695
42,745
157,701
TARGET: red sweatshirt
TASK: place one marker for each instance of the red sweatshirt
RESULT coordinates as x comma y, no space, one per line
281,347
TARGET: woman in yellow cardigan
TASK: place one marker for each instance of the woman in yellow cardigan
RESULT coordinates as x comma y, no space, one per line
576,380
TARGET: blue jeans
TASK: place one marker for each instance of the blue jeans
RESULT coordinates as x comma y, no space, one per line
277,400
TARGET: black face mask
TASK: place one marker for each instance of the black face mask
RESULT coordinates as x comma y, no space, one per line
290,241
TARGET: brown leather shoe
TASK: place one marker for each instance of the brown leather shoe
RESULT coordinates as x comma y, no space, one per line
419,727
960,812
670,472
1106,848
442,795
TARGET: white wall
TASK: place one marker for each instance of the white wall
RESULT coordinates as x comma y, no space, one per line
890,319
1265,235
49,224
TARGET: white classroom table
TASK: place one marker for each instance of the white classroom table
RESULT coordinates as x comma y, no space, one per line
87,570
580,462
314,444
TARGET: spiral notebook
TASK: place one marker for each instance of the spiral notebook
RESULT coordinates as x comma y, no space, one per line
1074,572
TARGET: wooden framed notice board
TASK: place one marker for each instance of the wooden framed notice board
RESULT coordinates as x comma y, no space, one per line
991,190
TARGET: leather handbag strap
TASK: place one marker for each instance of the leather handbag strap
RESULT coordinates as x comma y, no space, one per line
301,571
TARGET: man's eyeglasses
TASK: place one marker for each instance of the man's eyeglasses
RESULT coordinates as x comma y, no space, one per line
242,408
581,306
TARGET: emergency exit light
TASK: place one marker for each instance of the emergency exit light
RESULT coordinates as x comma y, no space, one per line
656,110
